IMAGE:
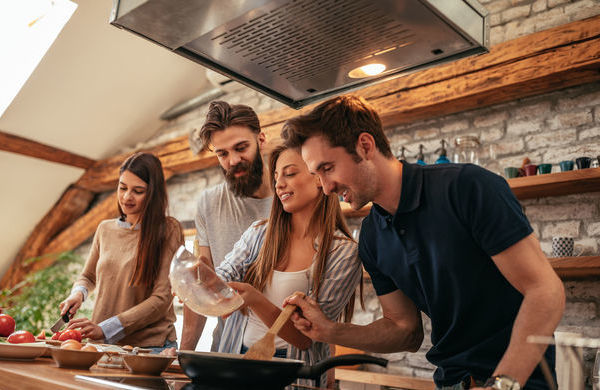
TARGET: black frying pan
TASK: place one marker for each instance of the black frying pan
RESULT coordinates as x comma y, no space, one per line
226,369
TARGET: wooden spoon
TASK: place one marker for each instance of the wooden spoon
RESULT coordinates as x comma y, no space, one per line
264,349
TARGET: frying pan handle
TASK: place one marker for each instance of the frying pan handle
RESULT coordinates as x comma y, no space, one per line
315,371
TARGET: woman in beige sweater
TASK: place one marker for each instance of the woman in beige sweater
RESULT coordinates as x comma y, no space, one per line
129,264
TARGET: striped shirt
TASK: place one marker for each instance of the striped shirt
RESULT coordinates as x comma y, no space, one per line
341,277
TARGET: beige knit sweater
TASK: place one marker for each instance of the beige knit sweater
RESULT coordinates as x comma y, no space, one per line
147,315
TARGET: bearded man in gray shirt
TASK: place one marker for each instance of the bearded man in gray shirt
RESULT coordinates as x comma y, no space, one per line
228,209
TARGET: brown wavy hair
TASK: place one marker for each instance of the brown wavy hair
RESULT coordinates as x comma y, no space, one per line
340,121
222,115
154,228
326,219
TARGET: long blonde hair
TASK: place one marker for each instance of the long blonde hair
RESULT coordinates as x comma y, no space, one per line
326,219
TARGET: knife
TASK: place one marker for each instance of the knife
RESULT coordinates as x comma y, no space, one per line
60,323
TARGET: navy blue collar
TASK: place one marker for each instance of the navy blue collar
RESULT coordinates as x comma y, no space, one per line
410,196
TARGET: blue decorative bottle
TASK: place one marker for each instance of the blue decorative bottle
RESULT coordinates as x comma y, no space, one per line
442,151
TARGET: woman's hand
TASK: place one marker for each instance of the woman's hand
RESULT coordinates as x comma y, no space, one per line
87,328
249,294
72,304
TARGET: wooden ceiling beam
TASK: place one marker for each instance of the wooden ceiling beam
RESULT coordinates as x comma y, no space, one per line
71,205
15,144
175,155
546,61
84,227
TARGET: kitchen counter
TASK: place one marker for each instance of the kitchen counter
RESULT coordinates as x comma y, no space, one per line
42,373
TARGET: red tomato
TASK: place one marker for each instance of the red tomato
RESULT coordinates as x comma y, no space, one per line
21,336
7,325
41,336
56,335
73,334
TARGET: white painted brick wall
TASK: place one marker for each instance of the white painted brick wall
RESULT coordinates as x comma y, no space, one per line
512,19
593,229
561,229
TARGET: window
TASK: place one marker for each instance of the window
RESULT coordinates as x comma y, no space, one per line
27,30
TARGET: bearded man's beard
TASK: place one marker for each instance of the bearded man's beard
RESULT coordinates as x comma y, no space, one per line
247,184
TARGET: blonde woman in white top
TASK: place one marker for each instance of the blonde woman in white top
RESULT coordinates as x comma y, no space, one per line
305,245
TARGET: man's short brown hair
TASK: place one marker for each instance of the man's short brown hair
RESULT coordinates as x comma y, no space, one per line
340,121
222,115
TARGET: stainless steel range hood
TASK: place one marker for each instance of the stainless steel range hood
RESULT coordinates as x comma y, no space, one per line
300,51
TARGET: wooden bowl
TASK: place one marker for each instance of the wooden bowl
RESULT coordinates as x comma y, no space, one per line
149,364
73,358
24,351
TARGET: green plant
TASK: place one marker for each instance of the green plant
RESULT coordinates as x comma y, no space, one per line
33,303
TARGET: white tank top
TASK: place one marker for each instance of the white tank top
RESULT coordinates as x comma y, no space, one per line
282,285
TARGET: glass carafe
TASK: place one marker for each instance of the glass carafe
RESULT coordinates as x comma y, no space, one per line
466,149
199,287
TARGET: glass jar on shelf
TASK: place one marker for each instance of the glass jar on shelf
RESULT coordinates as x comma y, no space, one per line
466,149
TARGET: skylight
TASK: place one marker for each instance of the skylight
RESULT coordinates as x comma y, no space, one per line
27,30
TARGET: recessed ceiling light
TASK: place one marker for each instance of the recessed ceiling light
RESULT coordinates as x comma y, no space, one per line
366,71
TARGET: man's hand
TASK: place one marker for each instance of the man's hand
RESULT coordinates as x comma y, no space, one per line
310,321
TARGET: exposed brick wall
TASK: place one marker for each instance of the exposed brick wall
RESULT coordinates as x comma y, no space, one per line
546,128
510,19
534,128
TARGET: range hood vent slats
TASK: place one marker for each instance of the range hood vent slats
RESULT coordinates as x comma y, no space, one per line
299,51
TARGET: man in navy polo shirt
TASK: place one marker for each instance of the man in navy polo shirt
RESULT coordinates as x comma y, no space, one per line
448,240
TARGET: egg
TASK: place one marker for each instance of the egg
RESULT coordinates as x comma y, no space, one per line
90,348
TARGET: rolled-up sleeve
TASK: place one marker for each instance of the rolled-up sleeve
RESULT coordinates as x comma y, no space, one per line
113,330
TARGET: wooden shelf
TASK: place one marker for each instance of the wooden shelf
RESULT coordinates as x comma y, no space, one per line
551,184
565,267
382,379
576,267
555,184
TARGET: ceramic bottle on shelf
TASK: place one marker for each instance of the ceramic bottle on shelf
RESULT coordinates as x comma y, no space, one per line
420,156
402,157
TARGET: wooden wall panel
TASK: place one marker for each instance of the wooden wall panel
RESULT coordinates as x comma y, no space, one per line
15,144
